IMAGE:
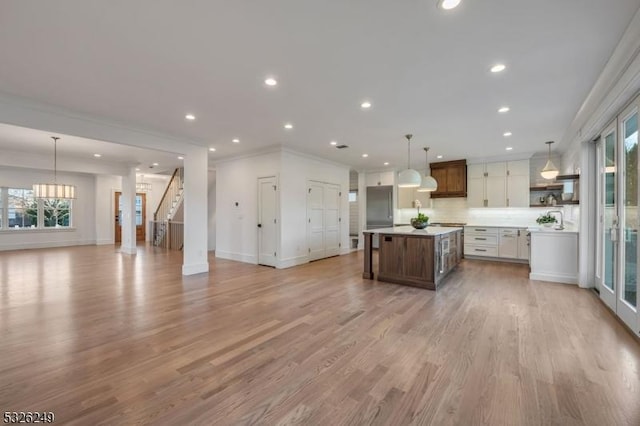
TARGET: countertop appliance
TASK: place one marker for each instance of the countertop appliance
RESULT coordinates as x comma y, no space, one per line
379,208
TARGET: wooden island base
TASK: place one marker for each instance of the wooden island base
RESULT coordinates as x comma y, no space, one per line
416,258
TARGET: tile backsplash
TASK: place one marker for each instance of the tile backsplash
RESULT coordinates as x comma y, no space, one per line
456,210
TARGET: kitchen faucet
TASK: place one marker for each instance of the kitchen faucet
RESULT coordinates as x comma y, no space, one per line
561,227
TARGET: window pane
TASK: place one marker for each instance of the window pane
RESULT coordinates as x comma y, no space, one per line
56,212
353,196
139,218
23,209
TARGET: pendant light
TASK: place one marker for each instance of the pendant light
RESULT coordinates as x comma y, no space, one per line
55,190
550,171
429,184
409,178
143,186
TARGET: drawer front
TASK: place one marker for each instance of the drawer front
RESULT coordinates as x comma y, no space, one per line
478,230
509,231
475,250
481,240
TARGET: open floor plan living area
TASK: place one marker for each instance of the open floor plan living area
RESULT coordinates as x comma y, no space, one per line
320,213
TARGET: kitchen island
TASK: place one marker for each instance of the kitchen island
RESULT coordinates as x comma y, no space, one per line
415,257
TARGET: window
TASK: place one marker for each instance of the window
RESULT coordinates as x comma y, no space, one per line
56,213
353,196
19,209
22,209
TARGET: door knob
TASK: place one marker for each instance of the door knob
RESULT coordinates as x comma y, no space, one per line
259,225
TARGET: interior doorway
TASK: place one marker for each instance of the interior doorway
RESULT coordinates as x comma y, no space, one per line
141,214
267,221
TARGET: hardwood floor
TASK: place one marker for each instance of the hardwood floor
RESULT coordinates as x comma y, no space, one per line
99,337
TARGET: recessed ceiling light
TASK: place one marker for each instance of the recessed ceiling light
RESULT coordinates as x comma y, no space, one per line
448,4
137,169
156,164
334,143
504,109
190,117
212,149
365,105
271,81
181,158
236,141
509,148
97,155
288,126
498,68
507,134
365,155
438,156
386,163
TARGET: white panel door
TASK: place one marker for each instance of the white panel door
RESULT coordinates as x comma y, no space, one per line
315,220
331,220
267,221
475,185
496,184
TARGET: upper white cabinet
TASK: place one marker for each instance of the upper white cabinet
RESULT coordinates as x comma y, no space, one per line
502,184
380,179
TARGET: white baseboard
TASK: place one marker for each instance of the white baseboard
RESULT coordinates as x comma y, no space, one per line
196,268
292,261
238,257
556,278
45,244
105,242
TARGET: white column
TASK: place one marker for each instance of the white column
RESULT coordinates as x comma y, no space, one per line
129,212
195,259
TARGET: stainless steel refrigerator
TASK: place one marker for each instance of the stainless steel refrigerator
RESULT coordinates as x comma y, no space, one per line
379,208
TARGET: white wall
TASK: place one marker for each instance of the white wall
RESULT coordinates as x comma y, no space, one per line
297,170
237,182
211,226
83,214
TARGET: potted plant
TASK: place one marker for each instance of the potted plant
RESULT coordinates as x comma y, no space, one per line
422,220
546,220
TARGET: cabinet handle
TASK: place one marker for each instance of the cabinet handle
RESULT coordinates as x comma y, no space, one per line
479,229
480,239
479,250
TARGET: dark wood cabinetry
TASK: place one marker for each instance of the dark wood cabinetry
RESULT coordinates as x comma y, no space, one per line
451,177
420,260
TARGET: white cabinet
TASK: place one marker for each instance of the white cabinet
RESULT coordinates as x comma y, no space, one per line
380,179
554,256
508,243
496,242
501,184
523,245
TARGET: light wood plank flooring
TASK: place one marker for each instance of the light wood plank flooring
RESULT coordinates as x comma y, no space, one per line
100,337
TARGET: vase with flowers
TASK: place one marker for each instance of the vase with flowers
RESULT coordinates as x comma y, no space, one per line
421,220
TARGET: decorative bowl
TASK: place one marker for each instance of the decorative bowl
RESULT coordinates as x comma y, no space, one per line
548,225
567,196
419,224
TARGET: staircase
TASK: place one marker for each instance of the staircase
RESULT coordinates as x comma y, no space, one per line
167,230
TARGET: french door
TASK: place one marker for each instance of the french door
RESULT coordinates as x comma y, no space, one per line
619,216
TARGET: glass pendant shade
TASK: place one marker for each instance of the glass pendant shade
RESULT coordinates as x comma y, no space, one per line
54,190
409,178
550,171
429,184
143,186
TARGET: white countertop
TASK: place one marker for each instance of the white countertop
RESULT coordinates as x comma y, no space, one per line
500,225
410,230
552,230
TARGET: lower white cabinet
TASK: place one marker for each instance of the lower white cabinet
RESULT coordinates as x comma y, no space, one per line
554,256
496,242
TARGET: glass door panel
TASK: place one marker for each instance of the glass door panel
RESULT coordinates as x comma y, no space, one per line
608,214
628,292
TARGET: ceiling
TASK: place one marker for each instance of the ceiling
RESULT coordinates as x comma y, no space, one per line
148,63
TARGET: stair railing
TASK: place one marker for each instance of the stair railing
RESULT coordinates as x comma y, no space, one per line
170,195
